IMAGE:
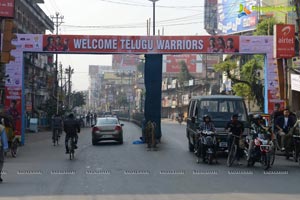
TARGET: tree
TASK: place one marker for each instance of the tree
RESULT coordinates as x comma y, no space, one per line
184,74
265,26
122,100
78,99
247,83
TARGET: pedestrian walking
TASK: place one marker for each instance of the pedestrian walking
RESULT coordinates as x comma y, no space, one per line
3,146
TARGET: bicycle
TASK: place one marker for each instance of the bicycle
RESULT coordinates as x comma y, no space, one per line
71,145
233,150
13,146
56,136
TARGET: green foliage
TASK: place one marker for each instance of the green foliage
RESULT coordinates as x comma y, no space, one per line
265,26
242,89
49,107
184,74
122,100
246,83
78,99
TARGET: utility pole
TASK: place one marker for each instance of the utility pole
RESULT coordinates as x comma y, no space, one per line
153,1
69,72
61,83
57,20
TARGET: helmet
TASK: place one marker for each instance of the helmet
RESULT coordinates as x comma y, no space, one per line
206,116
71,115
257,117
235,115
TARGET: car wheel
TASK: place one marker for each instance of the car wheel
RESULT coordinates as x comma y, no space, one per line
191,147
121,140
94,142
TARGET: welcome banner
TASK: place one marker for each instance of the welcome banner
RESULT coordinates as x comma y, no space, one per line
140,44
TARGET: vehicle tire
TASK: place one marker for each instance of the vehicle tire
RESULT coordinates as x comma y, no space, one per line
266,161
191,147
272,156
121,140
231,155
14,148
210,159
94,142
295,154
250,162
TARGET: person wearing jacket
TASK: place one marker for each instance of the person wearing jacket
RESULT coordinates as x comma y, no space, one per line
71,128
284,124
3,146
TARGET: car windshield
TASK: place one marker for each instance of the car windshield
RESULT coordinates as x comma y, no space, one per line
222,109
102,121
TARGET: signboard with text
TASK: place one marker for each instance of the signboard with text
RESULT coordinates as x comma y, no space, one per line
98,44
111,44
7,8
284,40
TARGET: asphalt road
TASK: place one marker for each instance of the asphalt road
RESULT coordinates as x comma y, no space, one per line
129,171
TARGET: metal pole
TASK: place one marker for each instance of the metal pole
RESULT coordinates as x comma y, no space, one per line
153,15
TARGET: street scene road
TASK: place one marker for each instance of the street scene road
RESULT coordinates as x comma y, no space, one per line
113,171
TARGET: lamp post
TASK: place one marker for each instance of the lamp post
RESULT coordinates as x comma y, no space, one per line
153,15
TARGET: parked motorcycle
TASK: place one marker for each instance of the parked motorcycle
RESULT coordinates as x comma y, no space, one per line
261,149
207,147
293,148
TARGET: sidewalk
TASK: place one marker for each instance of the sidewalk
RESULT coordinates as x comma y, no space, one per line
31,137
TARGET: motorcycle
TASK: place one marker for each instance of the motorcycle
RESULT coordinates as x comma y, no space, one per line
261,149
207,145
180,120
294,149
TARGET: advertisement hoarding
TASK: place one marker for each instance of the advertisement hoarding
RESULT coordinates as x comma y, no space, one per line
284,40
236,16
7,8
139,44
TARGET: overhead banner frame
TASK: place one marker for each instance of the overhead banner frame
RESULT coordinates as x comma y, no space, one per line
116,44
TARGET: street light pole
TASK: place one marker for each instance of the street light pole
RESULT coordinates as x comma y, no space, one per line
153,15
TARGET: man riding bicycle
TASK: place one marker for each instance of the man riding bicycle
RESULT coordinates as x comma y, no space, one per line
71,127
57,125
236,128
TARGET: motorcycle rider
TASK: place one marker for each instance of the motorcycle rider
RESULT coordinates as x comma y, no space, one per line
206,125
295,130
235,127
71,127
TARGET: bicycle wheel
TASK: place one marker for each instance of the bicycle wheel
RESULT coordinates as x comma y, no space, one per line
71,148
272,155
56,137
14,148
231,154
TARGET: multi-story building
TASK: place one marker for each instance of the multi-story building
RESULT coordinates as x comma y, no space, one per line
31,19
96,75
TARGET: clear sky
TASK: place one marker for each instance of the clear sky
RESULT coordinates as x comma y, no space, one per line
120,17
